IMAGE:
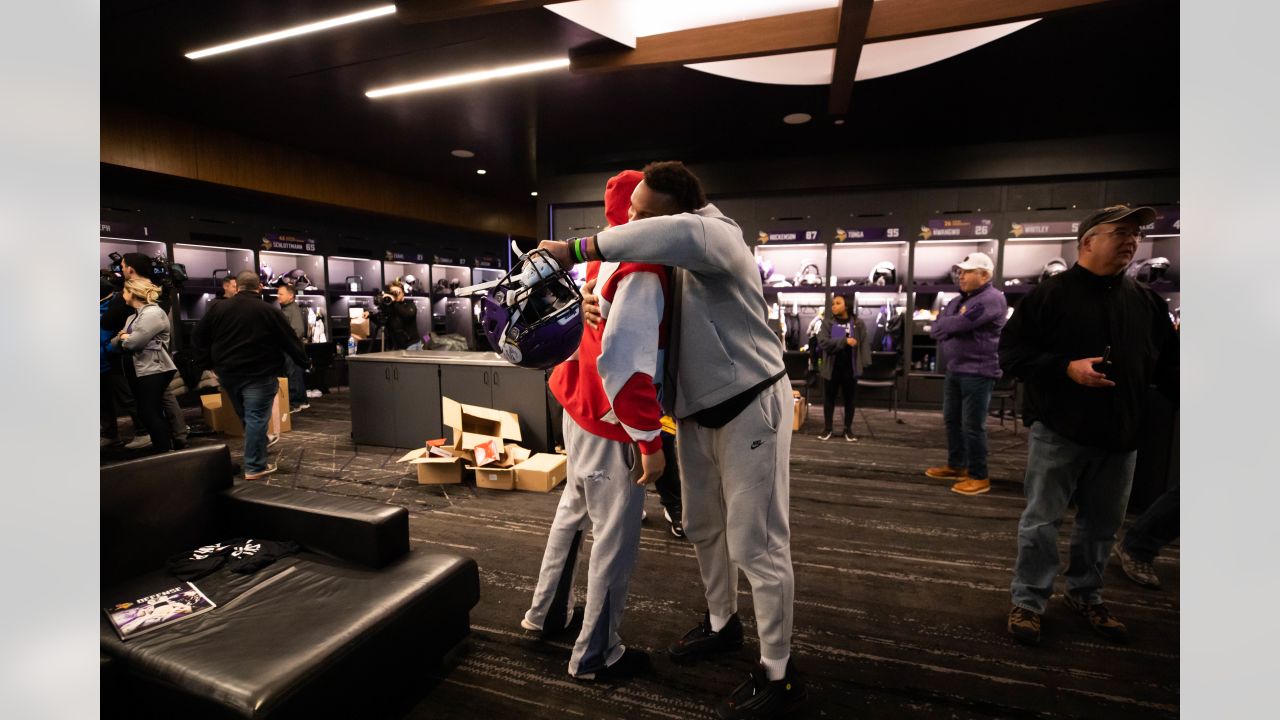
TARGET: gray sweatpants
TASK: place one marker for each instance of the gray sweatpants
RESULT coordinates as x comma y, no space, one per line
600,492
737,491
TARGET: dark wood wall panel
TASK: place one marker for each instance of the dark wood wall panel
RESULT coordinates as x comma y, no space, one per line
148,142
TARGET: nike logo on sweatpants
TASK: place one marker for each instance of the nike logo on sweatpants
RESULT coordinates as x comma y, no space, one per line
756,444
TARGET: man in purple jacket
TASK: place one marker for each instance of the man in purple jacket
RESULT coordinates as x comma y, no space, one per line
968,335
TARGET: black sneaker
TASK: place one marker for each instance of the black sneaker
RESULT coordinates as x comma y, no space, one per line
1024,626
1100,619
677,527
632,663
702,640
760,697
555,628
848,436
824,435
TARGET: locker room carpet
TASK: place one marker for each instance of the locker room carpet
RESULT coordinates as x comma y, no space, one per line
901,590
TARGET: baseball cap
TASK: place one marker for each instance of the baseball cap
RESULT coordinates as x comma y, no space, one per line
977,261
1116,213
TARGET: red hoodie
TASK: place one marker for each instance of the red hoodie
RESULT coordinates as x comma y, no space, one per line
607,387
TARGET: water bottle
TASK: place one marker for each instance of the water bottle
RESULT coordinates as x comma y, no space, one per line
351,345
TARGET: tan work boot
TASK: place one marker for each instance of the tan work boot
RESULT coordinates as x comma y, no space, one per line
971,486
945,472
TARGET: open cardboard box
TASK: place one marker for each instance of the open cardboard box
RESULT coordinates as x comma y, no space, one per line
220,414
434,470
800,410
501,474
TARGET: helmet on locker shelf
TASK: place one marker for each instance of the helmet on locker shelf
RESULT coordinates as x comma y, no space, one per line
766,269
409,282
884,273
808,275
1053,267
265,274
533,315
1150,270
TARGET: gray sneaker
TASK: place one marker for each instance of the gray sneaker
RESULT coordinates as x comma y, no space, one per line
138,442
270,468
273,439
1137,570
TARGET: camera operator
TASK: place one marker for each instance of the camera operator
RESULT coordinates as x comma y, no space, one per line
137,265
398,316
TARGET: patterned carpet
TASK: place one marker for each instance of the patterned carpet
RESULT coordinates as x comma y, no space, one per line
901,590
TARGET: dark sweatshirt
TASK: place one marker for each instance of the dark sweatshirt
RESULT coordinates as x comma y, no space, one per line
245,337
1077,314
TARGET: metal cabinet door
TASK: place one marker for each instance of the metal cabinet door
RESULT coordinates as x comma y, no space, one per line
373,408
417,389
524,392
467,384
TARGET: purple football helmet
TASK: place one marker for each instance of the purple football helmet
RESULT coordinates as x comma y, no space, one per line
533,316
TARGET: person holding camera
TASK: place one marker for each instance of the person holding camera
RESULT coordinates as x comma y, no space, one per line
149,368
399,319
1087,342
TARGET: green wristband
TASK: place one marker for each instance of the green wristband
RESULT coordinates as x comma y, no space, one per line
576,246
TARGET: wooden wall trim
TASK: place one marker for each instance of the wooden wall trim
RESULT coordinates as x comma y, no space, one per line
145,141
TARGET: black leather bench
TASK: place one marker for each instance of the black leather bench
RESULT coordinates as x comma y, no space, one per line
350,627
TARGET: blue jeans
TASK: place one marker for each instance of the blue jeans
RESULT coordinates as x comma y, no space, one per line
965,399
252,398
1157,527
1100,479
297,382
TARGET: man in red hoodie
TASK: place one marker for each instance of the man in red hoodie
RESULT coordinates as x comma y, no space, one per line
613,436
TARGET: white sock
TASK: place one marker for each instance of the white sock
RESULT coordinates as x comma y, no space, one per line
718,622
775,669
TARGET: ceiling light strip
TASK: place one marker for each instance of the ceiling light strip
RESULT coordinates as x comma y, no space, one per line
471,77
294,31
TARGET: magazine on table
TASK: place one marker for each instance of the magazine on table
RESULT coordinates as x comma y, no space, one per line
140,616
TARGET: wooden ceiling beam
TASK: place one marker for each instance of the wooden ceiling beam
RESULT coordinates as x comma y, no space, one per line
813,30
412,12
854,18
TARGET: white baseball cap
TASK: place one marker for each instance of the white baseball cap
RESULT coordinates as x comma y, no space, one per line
977,261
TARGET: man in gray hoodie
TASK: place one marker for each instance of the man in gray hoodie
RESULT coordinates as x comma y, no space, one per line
734,422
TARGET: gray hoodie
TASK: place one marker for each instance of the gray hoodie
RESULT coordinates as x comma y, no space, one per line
148,341
724,346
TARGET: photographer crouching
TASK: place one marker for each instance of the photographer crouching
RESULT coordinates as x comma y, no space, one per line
398,316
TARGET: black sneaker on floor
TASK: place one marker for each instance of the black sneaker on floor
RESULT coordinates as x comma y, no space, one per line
632,663
555,628
702,641
677,526
824,435
1100,619
849,437
760,697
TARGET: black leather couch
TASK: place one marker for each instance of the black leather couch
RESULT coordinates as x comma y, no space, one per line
353,626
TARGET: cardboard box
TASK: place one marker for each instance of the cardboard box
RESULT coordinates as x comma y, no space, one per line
800,410
495,478
541,472
501,474
220,414
360,328
473,425
434,470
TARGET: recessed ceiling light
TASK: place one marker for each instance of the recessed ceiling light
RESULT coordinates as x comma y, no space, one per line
481,172
839,121
533,194
797,118
462,153
470,77
293,31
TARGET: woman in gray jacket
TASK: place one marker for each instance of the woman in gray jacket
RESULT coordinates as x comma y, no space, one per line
146,338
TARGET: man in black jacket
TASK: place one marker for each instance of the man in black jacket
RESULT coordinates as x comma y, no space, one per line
1087,343
245,341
